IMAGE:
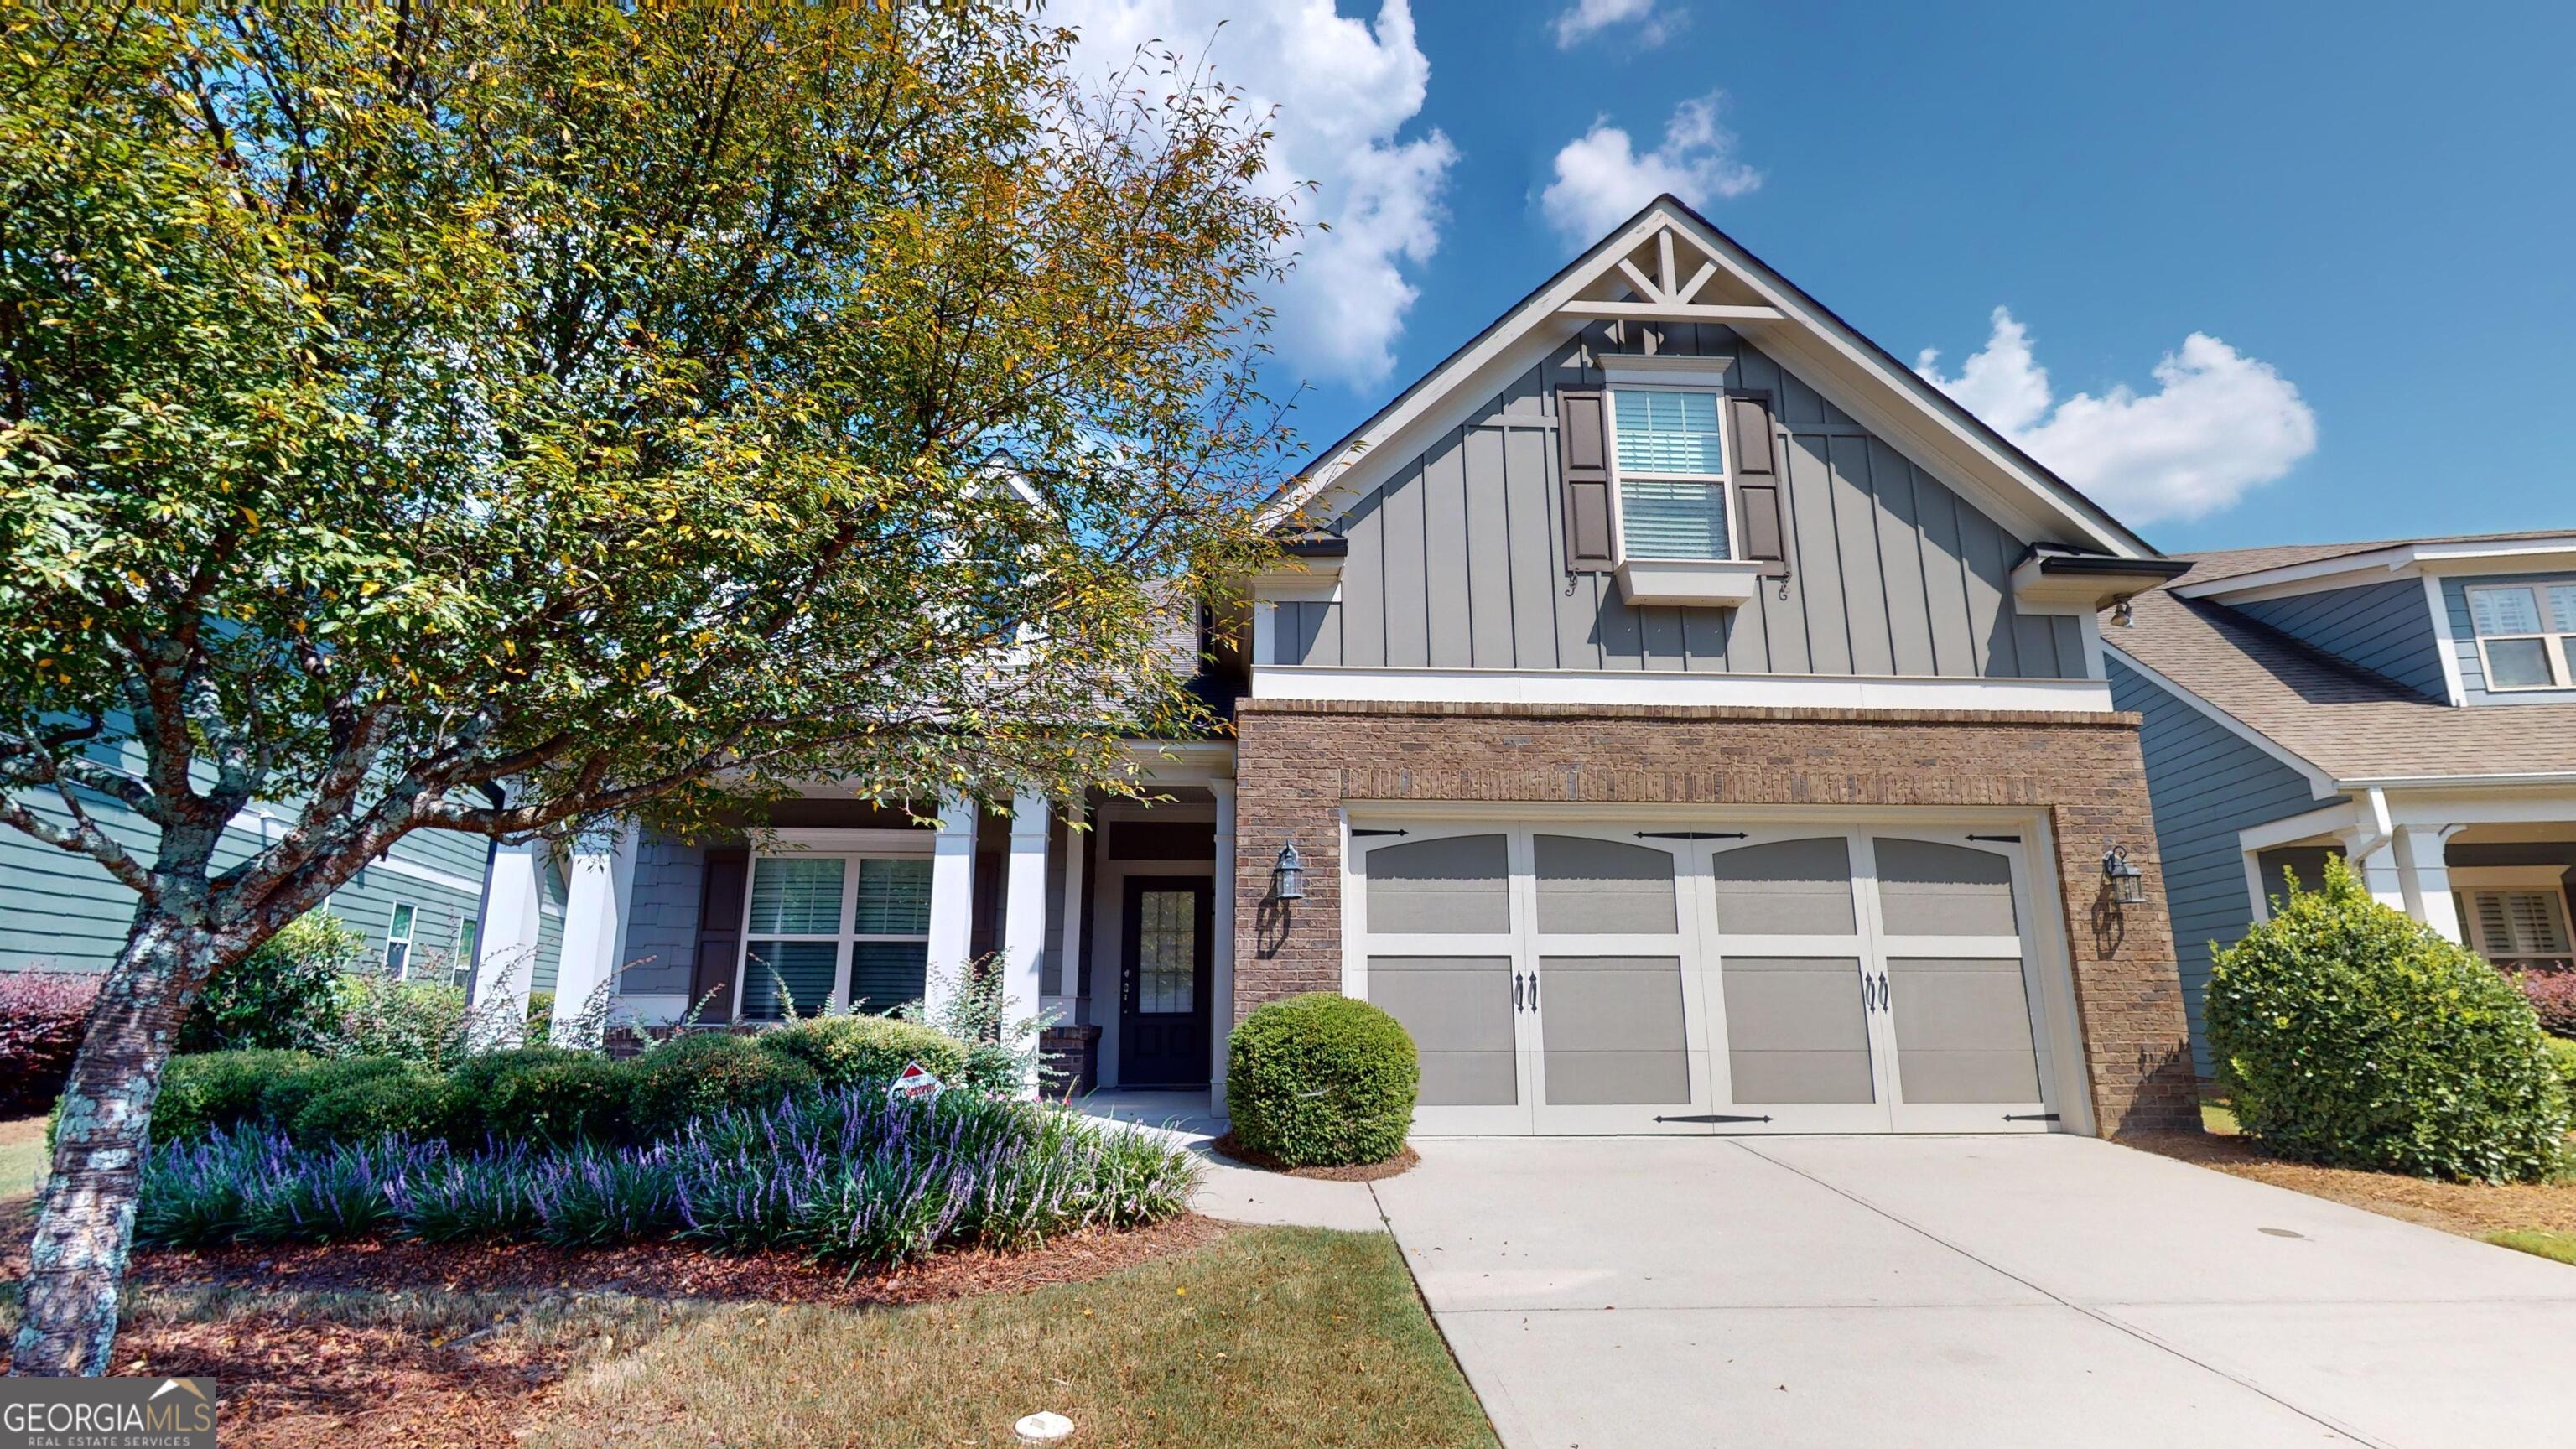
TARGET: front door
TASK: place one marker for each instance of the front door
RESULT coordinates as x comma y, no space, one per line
1163,982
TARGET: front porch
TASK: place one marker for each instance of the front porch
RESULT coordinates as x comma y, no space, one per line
2493,868
1107,918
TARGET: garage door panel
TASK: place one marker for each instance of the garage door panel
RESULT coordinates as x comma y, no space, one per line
1613,1031
1448,885
1962,1031
1458,1010
1785,888
1593,887
1796,1031
1931,888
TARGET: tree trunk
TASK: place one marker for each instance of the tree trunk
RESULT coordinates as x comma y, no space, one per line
77,1260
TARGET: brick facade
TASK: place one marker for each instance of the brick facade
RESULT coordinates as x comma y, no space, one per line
1298,761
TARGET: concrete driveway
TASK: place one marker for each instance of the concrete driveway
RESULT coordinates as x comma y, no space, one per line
1972,1291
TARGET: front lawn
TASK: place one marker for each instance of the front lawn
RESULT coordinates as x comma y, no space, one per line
1175,1336
22,1157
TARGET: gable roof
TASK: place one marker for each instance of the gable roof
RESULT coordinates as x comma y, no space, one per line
1826,352
2352,725
2322,565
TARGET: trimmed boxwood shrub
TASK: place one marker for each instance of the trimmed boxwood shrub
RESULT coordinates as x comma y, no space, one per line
1321,1081
201,1091
846,1050
2347,1034
702,1072
535,1094
283,1099
363,1109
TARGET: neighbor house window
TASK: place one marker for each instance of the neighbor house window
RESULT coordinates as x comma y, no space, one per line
461,967
2518,928
2526,634
398,939
1672,473
835,930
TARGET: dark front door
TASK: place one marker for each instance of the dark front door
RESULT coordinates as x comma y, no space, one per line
1163,983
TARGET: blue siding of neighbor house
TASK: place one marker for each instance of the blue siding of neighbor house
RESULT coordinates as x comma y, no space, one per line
2207,784
1457,559
2464,643
2387,628
64,912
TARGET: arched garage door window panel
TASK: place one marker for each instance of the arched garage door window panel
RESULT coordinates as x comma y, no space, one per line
1786,888
1613,1028
1962,1021
1457,1008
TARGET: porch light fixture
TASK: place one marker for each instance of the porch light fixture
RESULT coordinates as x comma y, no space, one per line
2126,883
1288,877
2123,616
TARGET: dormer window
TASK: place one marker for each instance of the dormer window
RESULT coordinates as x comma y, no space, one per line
1671,473
2526,634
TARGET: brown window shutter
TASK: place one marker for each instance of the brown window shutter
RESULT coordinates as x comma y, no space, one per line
1757,477
1583,445
719,931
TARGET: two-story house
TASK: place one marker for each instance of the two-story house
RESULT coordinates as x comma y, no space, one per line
2410,705
1676,712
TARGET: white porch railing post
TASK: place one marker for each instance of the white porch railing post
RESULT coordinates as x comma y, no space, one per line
506,940
597,905
1024,917
1221,991
952,901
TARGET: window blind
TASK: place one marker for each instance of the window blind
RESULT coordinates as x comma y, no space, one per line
796,897
893,898
1667,432
1671,518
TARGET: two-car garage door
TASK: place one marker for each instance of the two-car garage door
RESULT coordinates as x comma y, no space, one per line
1574,978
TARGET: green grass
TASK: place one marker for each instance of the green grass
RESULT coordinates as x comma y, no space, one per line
2217,1120
22,1157
2558,1246
1271,1338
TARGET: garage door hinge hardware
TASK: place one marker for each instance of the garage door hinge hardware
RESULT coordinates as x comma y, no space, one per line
2030,1116
1999,839
1357,832
1713,1117
1690,835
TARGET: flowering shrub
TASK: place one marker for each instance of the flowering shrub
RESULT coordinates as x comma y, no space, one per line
284,995
844,1176
41,1016
2553,997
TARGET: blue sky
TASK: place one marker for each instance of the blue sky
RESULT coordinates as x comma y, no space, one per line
2365,215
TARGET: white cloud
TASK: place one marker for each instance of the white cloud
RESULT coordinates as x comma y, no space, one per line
1601,178
1344,90
1584,19
2219,424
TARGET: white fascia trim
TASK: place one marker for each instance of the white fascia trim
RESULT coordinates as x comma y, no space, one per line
1937,440
2395,560
1585,686
2320,784
2464,782
395,865
2333,821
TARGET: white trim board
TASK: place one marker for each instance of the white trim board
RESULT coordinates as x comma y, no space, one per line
2394,560
410,870
2320,784
1584,686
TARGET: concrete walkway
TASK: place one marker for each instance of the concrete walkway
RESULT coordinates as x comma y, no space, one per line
1961,1291
1228,1191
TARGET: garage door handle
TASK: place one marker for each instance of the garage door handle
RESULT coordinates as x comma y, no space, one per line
1516,991
1533,992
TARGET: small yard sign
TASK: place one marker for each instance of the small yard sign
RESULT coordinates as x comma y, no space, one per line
914,1080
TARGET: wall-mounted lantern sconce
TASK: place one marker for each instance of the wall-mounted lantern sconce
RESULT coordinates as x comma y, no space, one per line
1288,877
2126,883
2122,615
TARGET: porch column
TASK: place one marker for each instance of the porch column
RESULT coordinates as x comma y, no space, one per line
505,940
2423,853
1068,951
1221,990
597,905
1024,918
952,901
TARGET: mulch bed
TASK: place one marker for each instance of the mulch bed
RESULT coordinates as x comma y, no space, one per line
2471,1209
303,1382
1234,1151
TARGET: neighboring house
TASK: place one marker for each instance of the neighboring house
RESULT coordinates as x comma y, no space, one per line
419,907
2410,705
1675,711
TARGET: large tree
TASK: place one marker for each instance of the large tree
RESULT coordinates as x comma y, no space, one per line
505,416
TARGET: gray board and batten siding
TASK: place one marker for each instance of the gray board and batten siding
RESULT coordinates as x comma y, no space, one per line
1457,560
2384,628
2464,642
2207,783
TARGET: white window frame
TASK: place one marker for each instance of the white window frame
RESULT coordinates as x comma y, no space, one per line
405,938
850,847
1723,480
2469,882
2554,642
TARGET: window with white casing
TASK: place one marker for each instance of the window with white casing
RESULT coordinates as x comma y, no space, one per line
2518,927
2526,634
839,930
1670,459
398,939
